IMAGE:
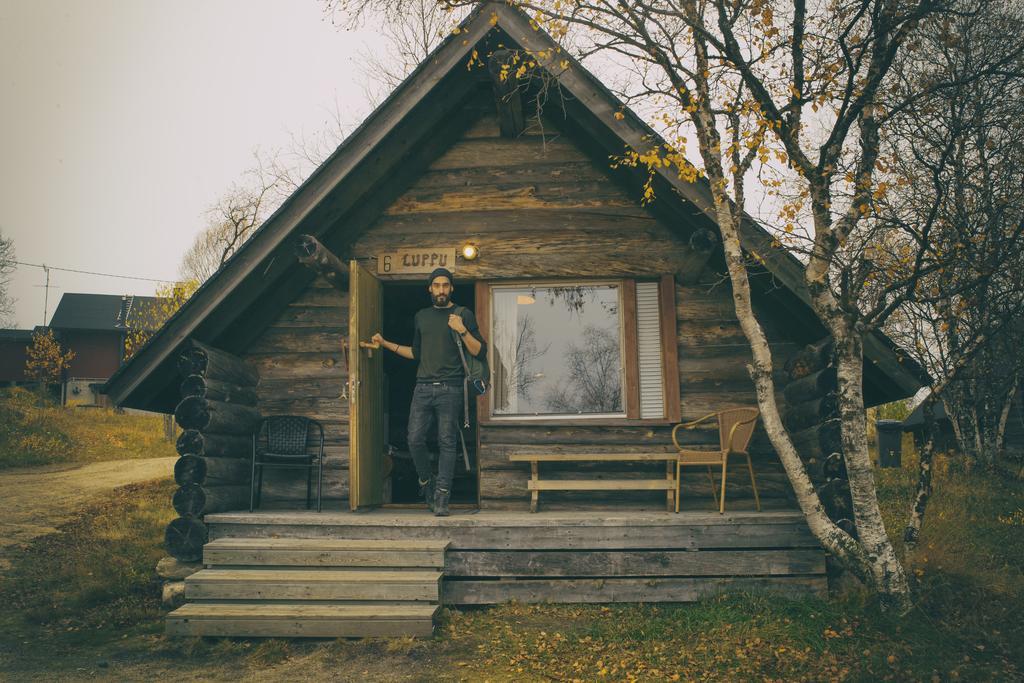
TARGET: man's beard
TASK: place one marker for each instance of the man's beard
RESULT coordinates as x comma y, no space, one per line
441,300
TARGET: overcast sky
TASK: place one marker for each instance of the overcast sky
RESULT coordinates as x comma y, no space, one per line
121,121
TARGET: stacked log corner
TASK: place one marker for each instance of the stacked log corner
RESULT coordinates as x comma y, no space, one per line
217,414
812,418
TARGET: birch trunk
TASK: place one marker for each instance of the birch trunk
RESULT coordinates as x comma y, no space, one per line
887,571
832,537
1004,417
912,532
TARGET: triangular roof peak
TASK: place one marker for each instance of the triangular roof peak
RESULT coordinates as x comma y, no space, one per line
264,268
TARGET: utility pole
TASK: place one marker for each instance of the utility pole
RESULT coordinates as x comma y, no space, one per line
46,294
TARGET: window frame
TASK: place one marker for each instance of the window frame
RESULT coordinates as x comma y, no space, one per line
628,339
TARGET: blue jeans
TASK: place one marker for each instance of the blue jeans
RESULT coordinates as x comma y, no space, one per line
443,402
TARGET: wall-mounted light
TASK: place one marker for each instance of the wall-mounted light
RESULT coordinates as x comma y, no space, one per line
470,251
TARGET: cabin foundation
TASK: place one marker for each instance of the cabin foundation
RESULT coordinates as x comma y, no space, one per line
291,573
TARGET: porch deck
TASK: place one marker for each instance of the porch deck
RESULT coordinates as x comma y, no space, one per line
572,556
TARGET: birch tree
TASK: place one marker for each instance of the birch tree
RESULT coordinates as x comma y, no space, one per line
799,96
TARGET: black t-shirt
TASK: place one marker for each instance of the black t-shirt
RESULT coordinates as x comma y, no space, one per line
434,347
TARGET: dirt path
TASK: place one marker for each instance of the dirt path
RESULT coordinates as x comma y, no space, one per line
35,500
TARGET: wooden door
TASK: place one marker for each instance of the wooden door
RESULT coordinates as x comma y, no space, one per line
366,391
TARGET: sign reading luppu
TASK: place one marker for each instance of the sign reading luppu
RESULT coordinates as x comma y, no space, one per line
415,261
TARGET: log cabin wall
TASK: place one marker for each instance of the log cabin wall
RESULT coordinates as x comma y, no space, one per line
302,372
539,207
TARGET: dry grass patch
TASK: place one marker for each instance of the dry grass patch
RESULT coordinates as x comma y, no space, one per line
36,432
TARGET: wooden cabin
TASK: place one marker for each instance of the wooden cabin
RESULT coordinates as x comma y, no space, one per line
608,322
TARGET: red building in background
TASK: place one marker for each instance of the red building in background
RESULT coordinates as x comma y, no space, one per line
13,352
95,327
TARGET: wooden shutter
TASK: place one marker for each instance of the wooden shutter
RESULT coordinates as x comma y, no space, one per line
649,351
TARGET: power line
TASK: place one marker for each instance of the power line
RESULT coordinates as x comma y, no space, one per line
88,272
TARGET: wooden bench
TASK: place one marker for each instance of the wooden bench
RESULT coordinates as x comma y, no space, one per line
536,484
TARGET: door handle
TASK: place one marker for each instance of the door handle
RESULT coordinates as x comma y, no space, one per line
369,346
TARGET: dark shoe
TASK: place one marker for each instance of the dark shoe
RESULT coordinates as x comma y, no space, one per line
427,491
441,503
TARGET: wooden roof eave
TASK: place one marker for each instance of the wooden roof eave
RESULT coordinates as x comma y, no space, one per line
260,248
603,104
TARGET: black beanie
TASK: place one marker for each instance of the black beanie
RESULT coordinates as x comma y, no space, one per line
437,272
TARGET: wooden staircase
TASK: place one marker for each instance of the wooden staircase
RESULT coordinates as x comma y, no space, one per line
313,587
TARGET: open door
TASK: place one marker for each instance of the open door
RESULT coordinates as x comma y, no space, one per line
366,390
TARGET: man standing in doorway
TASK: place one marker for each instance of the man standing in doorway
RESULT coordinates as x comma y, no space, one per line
438,392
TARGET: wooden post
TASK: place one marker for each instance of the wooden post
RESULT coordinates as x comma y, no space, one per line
197,385
199,359
813,358
696,255
184,539
312,254
196,469
812,418
195,442
810,413
193,500
811,386
216,416
819,441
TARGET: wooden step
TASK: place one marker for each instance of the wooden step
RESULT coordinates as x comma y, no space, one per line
322,584
325,552
298,620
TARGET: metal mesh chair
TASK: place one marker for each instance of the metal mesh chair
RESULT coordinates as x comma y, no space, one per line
735,429
282,442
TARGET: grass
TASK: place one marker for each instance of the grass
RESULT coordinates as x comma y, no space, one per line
36,432
90,595
96,577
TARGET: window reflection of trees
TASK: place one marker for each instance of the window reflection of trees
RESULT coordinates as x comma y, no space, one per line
527,352
594,383
576,297
563,358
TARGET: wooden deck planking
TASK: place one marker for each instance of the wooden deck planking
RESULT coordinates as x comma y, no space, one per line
296,584
636,563
301,620
325,552
495,530
675,589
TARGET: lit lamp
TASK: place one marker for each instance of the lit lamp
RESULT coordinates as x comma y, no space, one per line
470,251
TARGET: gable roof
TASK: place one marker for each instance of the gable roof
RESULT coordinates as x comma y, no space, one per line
107,312
346,186
916,417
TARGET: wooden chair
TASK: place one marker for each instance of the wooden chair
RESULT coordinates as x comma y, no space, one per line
282,442
735,428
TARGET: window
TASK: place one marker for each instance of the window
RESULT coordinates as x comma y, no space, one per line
581,350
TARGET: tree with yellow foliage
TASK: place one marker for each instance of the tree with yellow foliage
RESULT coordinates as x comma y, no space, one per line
151,314
47,361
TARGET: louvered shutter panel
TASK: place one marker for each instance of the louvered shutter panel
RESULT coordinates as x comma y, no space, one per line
652,390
